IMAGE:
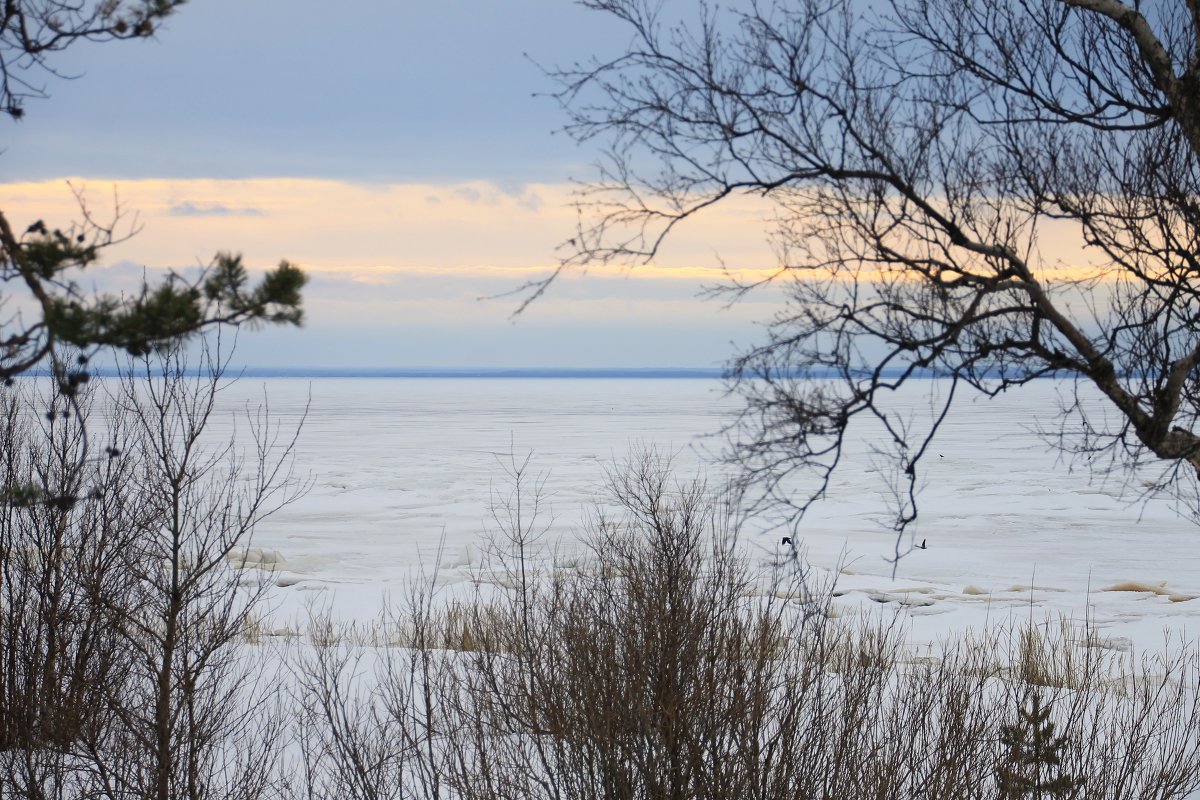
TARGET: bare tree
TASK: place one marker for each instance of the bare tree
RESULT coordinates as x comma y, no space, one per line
124,664
59,665
193,717
988,192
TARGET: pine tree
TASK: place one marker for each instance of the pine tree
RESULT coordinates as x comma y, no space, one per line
57,324
40,266
1032,769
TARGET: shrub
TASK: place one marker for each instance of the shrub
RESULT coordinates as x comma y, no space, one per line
663,667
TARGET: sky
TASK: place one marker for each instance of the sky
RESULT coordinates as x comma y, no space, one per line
406,155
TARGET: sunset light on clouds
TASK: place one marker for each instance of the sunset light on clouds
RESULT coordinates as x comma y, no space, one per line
414,167
423,269
365,230
398,154
429,275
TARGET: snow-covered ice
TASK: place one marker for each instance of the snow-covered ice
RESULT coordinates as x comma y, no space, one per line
401,467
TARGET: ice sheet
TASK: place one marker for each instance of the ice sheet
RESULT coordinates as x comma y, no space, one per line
403,467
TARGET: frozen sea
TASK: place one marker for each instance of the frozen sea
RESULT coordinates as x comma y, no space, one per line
401,469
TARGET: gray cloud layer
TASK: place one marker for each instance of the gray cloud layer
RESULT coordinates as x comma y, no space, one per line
191,209
369,90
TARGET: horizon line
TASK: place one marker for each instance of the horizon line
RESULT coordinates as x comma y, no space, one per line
702,373
482,372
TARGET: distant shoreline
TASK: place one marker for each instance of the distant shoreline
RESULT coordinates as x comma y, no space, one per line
544,373
519,372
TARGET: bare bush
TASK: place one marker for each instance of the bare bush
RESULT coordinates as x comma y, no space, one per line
376,723
665,666
59,663
121,664
192,721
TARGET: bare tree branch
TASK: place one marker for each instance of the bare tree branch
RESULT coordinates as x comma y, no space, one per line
922,160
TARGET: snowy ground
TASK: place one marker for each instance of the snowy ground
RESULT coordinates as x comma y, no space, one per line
401,466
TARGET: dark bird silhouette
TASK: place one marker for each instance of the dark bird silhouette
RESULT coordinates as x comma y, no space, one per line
786,540
922,546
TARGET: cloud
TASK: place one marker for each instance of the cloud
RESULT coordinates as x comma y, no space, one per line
520,192
496,194
470,194
324,224
189,208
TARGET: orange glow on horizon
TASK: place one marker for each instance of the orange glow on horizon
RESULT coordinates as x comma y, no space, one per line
375,233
